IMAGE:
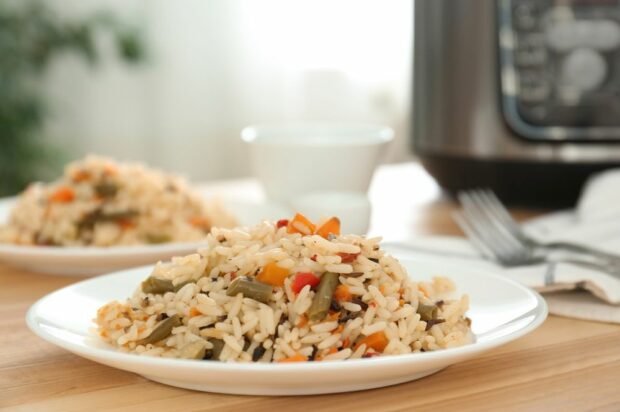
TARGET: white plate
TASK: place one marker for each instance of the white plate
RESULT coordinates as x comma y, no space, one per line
501,311
88,261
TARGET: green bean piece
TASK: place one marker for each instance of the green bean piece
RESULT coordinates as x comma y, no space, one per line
214,353
193,350
157,286
162,330
122,214
323,296
89,220
427,312
157,238
106,189
250,289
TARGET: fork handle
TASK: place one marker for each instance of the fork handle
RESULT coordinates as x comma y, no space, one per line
611,258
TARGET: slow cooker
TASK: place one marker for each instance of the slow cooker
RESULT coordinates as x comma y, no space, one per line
521,96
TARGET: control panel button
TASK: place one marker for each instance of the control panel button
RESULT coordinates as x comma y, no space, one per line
524,16
566,35
531,50
584,69
532,86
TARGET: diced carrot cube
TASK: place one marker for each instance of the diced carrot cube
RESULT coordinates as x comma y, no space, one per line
348,257
377,341
331,226
300,224
62,195
295,358
199,221
272,274
342,293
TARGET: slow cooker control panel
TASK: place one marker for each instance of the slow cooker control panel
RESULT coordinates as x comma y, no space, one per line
560,68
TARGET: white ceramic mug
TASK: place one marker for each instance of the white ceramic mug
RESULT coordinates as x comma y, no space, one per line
296,159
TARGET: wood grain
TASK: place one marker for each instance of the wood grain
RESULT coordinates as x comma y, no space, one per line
566,364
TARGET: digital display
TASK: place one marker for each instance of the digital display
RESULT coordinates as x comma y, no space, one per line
566,62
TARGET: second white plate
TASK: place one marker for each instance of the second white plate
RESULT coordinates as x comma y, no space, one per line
88,261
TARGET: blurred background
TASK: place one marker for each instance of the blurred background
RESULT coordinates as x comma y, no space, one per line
521,96
173,83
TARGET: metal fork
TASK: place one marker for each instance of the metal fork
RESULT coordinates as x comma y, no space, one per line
491,229
484,203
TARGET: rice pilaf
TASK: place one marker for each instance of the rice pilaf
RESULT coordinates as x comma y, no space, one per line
284,292
100,202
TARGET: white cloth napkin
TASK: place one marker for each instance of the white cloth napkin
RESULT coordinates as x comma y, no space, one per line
570,290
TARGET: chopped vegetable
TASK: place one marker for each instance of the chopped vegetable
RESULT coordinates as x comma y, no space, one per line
348,257
157,286
193,350
377,341
106,190
90,219
373,353
258,353
282,223
314,352
199,221
360,302
81,176
295,358
303,321
433,322
156,238
214,353
302,279
331,226
122,214
272,274
323,296
427,312
300,224
342,293
250,289
162,330
126,223
63,194
348,317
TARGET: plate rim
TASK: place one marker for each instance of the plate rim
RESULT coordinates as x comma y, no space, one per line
449,355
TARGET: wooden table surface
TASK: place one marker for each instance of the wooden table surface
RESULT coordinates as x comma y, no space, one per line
566,364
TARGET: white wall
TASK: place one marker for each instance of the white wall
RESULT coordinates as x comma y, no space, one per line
216,66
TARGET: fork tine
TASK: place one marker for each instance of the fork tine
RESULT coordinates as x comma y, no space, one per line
471,234
506,247
485,241
475,202
491,231
497,208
